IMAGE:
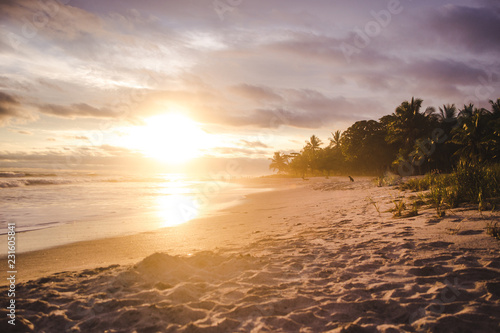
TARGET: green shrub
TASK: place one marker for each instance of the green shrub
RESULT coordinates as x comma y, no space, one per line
426,182
415,185
451,196
477,182
437,196
469,182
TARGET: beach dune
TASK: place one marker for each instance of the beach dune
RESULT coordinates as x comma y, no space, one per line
309,257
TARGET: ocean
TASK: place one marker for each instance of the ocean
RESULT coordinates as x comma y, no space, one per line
51,209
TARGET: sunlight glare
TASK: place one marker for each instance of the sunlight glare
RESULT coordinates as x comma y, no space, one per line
171,138
176,209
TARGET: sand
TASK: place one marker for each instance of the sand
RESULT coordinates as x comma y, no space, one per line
313,256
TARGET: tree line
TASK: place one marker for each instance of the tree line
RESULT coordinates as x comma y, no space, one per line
408,141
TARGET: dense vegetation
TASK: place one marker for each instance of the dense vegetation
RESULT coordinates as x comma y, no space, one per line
407,142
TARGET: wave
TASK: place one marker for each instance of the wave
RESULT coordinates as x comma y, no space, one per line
11,179
4,230
33,181
8,174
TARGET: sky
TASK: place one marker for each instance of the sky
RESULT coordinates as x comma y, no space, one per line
83,83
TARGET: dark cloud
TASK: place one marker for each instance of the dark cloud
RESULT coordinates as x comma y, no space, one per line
253,144
445,71
473,28
115,150
309,108
10,108
77,110
337,51
373,80
310,46
444,77
8,83
256,92
302,108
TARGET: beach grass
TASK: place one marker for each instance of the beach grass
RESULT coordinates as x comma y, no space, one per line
470,183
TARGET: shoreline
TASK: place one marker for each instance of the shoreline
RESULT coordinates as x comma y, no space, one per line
118,223
315,255
127,249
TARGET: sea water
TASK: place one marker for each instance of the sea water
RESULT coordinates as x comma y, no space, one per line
54,209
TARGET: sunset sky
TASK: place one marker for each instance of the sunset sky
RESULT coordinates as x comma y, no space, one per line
123,84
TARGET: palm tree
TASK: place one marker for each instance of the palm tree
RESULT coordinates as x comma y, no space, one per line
298,164
495,108
494,129
364,147
447,113
472,135
314,143
279,162
407,124
335,139
311,152
466,112
446,120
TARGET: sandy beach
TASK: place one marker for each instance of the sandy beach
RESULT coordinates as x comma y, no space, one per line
311,256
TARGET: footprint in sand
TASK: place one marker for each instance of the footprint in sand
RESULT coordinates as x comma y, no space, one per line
430,270
438,245
470,232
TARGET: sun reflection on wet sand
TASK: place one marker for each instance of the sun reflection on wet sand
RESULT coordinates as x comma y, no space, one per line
176,203
176,209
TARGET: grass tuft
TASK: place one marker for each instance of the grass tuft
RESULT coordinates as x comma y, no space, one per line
374,205
399,207
493,229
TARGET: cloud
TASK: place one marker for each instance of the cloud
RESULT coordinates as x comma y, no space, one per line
237,151
253,92
308,108
253,144
50,19
83,155
77,110
10,108
444,77
99,158
428,77
302,108
9,83
117,151
320,50
473,28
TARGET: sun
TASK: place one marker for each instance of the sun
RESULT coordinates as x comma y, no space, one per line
171,138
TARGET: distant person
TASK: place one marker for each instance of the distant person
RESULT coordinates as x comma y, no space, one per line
352,180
